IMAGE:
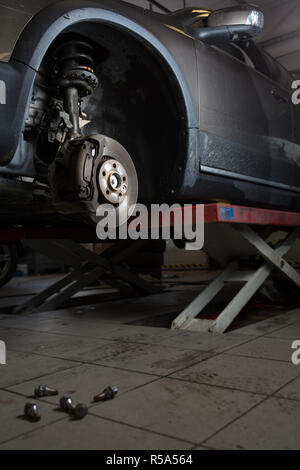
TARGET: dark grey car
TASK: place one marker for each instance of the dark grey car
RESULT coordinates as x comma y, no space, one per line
99,95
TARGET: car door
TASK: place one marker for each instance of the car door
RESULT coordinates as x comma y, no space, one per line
281,120
245,117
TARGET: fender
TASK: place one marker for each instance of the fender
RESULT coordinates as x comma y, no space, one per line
44,27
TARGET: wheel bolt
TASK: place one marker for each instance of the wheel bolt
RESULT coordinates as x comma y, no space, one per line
31,411
108,394
79,411
45,391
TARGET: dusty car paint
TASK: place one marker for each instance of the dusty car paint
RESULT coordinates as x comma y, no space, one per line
241,141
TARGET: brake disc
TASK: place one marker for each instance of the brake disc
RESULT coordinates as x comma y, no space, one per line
91,171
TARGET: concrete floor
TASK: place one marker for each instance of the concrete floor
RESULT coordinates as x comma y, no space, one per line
177,390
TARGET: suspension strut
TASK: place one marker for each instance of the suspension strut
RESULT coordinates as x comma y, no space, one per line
74,76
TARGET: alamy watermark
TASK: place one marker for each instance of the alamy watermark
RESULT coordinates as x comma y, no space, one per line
296,93
296,354
2,353
157,222
2,92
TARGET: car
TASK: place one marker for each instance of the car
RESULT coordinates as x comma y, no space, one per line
99,98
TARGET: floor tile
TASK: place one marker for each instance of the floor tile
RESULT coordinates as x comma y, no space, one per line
82,383
60,346
291,332
243,373
116,332
123,311
271,324
178,409
273,425
177,389
35,322
266,348
12,301
11,336
12,418
25,366
93,433
293,314
90,328
205,341
140,334
148,358
292,390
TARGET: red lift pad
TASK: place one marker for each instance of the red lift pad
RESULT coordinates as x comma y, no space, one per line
213,213
221,212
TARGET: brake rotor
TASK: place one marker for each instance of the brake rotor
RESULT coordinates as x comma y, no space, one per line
92,171
117,180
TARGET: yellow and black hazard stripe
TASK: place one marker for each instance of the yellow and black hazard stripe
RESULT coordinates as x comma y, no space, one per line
183,266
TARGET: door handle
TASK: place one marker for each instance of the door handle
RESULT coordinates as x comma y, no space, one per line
278,96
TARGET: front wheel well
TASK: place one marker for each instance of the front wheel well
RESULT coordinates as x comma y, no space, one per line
139,103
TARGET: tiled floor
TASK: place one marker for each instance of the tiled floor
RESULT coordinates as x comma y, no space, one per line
177,390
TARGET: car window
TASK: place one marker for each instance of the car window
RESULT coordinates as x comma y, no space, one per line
255,56
231,50
265,64
248,53
277,71
235,51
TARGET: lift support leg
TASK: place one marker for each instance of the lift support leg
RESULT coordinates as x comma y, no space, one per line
254,281
88,267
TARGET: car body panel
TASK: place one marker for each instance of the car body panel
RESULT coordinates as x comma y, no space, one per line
177,49
146,26
241,144
239,117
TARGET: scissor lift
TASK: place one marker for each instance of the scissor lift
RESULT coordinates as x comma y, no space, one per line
231,233
67,246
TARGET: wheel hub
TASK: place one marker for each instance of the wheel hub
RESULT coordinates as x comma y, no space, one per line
113,181
90,171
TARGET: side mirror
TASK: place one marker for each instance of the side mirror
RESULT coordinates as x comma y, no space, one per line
228,25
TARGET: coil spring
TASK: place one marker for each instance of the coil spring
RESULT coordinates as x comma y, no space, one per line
74,67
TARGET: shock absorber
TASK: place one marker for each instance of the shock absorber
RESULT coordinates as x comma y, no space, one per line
74,76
